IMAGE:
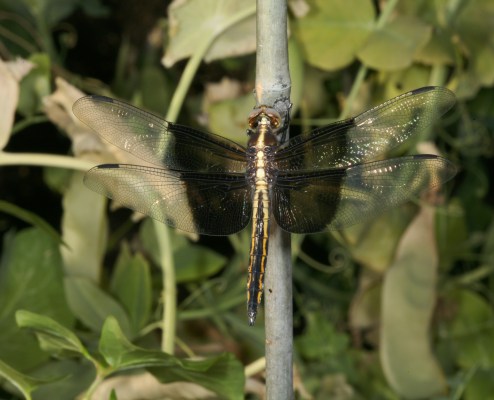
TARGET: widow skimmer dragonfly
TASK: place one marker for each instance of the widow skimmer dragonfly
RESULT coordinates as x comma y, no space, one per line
328,179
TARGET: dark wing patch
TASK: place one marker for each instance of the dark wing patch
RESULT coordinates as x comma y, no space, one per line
310,202
208,204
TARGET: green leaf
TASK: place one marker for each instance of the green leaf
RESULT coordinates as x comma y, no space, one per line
398,82
297,73
334,31
439,50
395,45
150,244
408,301
488,249
321,341
77,377
473,30
228,25
222,374
31,279
35,85
228,116
131,284
481,386
451,226
156,88
30,218
374,244
365,309
24,383
196,262
51,12
83,229
469,333
121,354
50,333
92,306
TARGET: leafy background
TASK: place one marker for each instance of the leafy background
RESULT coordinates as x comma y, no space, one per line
401,307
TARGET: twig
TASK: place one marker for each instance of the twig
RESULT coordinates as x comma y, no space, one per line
273,89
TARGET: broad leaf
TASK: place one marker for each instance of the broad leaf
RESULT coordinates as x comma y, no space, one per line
35,85
51,334
30,218
469,333
228,25
395,45
334,31
92,306
131,284
197,262
10,75
24,383
30,279
222,374
408,300
83,230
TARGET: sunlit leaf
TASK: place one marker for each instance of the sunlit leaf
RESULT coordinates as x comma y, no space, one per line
365,309
374,244
394,46
10,75
334,31
408,301
438,50
195,23
83,230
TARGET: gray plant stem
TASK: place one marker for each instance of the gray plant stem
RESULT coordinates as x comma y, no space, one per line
273,89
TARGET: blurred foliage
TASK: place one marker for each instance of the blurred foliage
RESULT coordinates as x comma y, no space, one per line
401,307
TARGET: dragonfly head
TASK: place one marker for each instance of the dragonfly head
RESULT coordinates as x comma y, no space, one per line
264,115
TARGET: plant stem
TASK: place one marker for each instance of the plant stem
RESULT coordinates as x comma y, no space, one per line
45,160
273,89
169,287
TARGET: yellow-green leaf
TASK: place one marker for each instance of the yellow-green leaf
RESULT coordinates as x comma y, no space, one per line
334,31
408,300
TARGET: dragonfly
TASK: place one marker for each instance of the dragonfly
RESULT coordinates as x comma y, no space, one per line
334,176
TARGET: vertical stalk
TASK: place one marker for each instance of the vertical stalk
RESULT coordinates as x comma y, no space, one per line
273,89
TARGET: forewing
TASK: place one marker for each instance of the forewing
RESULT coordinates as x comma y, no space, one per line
367,136
337,198
208,204
157,141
